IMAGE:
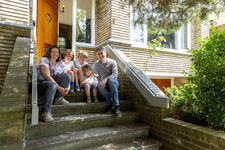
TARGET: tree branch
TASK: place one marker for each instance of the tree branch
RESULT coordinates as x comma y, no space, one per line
207,9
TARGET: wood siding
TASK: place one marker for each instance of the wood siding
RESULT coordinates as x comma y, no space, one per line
121,26
104,16
162,63
15,11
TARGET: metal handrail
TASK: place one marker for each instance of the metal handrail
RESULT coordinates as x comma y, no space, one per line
35,109
154,97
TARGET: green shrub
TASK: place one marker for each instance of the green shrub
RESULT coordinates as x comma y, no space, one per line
208,76
183,104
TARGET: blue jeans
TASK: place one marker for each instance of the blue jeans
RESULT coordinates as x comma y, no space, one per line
49,89
91,86
110,92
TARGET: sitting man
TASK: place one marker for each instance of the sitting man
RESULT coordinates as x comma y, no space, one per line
108,84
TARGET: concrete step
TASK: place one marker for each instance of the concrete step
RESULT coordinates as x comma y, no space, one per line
81,108
73,97
134,144
88,138
77,122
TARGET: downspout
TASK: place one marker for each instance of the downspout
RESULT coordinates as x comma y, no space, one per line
35,109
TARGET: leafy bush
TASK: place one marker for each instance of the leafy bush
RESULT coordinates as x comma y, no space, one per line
183,104
208,76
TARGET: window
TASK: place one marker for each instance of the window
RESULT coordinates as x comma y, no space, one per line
84,23
62,42
65,36
169,43
177,41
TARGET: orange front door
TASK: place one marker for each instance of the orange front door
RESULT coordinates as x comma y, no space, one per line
162,83
47,25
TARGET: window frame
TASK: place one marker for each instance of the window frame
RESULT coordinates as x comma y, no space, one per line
177,38
74,42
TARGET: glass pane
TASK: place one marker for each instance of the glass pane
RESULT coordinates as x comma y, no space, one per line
170,40
138,33
84,13
184,37
65,36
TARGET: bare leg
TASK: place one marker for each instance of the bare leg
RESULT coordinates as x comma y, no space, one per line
72,76
75,75
94,92
87,90
80,74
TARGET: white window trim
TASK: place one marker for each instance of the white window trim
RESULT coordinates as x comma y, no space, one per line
74,43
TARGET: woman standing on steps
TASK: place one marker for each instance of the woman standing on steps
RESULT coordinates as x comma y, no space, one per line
51,80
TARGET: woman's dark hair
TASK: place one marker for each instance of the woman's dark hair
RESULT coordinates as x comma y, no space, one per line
48,53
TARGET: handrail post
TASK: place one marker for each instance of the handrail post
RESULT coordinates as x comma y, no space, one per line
35,109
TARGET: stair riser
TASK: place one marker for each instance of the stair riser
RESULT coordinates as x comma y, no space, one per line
60,128
100,140
93,108
75,97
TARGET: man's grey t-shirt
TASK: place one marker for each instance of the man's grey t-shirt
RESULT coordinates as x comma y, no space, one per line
108,69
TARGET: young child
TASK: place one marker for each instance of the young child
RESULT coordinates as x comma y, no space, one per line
89,83
69,66
81,61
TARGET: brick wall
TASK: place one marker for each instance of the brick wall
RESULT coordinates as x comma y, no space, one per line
195,32
220,28
179,80
174,134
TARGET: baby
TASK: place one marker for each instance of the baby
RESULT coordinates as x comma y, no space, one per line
89,83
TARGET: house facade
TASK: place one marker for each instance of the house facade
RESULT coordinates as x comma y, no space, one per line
84,25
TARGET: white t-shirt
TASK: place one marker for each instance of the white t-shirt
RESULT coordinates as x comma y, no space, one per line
54,70
70,65
78,65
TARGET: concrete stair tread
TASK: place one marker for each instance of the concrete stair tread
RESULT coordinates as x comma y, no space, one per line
78,122
83,136
81,118
81,108
134,144
79,104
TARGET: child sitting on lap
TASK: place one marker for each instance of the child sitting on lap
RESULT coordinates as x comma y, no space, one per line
89,83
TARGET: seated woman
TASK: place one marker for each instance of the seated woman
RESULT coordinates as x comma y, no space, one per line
51,80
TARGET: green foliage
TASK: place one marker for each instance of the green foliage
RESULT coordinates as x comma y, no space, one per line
152,48
183,104
165,15
208,74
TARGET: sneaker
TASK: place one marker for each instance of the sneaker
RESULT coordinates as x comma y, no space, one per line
61,100
88,100
81,89
111,110
47,117
77,89
118,113
95,99
71,89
